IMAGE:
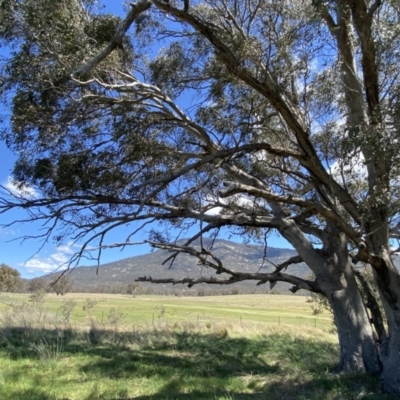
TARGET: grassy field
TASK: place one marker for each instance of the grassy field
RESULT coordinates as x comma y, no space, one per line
144,309
150,348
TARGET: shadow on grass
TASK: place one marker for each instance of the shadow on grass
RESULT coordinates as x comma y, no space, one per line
34,394
190,365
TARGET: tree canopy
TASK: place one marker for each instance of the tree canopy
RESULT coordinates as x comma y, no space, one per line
256,116
9,278
61,285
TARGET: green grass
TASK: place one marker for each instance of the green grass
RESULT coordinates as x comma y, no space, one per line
252,308
172,356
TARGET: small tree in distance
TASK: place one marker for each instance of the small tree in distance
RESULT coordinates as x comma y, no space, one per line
134,289
37,284
61,285
10,279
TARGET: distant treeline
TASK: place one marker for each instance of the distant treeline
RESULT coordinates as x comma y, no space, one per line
67,285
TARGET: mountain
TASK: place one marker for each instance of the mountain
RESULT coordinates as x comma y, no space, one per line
114,277
237,256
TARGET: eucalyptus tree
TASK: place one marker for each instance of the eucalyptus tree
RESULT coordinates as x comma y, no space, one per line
9,278
218,114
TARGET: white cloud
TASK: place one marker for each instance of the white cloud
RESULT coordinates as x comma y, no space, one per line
67,249
44,265
28,191
56,261
60,258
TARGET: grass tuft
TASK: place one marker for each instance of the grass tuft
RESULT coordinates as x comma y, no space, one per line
47,350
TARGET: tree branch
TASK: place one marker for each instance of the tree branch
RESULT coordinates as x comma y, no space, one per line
136,9
293,260
276,96
239,277
374,6
235,188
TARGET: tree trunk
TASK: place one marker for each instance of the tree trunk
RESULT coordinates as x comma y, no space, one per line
387,279
335,278
358,348
376,252
391,363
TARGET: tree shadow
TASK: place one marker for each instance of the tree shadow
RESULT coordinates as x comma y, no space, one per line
196,365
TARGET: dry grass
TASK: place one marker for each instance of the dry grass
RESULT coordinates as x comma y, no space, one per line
242,309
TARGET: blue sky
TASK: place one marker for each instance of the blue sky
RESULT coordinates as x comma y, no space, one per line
28,256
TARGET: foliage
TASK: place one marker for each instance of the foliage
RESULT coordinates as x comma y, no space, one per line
89,306
134,288
37,284
61,284
114,317
318,303
37,297
9,278
66,309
